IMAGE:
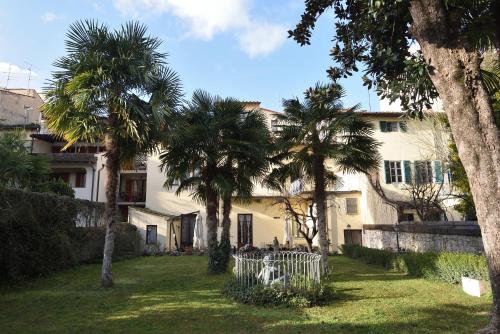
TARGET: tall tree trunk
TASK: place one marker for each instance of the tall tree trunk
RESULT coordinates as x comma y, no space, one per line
211,207
456,75
320,200
225,242
227,205
111,209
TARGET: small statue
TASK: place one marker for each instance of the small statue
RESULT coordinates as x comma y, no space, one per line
269,274
276,245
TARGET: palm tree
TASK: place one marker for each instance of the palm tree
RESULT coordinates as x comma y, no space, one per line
314,131
248,162
116,86
210,150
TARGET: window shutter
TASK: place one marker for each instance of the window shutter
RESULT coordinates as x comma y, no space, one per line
387,171
407,167
403,127
438,171
383,126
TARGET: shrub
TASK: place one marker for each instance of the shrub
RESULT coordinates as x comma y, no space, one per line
278,294
444,266
58,187
38,235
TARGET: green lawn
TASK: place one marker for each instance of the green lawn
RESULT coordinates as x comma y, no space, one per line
174,295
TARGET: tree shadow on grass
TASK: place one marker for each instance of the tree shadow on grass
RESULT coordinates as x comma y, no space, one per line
448,318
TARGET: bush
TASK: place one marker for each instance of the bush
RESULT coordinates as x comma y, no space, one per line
38,235
58,187
445,266
278,294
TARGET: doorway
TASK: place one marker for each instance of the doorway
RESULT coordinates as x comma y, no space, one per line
353,237
188,223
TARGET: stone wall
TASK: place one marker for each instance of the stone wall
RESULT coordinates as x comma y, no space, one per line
426,237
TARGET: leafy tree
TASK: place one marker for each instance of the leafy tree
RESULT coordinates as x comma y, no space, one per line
18,168
116,86
214,149
452,36
314,132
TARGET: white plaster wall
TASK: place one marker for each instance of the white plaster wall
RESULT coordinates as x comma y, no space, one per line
142,219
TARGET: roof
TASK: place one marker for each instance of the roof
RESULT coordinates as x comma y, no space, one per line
381,113
31,126
50,138
20,91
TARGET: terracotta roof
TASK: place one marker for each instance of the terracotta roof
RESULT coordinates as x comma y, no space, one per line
46,137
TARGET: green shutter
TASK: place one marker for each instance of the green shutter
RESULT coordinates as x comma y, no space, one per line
383,126
407,167
387,172
438,171
403,127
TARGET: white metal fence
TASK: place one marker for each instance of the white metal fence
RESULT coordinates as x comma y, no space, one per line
289,268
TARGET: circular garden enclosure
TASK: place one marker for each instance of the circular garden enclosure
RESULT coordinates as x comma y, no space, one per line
289,269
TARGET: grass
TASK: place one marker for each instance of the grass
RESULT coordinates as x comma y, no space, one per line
174,295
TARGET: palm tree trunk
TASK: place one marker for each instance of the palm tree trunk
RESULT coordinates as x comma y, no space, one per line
211,207
225,242
112,168
320,200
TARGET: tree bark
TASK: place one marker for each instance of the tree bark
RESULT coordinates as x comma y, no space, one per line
111,209
455,72
211,207
225,242
320,200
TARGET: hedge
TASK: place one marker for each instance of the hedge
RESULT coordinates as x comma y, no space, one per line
444,266
39,234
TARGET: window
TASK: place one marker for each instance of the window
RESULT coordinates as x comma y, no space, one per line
409,217
393,126
80,179
388,126
245,229
393,172
274,125
151,234
423,172
351,206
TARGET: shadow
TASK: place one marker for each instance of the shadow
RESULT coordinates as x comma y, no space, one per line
175,295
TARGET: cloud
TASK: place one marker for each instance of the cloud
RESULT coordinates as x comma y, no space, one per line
262,38
14,69
49,17
206,18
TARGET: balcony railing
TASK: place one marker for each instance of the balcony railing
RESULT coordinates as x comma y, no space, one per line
139,163
133,197
71,157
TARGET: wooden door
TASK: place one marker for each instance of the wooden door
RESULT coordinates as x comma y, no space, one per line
188,223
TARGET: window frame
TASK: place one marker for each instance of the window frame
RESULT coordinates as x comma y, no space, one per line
83,179
393,167
148,241
347,206
421,166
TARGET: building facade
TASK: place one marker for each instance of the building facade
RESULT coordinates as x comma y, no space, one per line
411,150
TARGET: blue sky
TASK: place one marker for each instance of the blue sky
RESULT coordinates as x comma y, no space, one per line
232,48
